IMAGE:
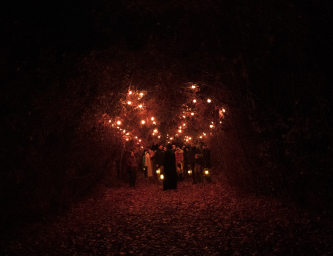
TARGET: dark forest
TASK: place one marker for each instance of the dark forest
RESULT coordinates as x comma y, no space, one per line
68,70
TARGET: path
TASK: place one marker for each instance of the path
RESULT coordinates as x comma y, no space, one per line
204,219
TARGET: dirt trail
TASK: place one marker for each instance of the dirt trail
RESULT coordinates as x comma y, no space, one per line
203,219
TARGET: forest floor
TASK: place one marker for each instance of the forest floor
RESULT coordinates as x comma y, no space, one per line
202,219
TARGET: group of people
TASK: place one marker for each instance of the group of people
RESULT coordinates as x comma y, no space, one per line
175,163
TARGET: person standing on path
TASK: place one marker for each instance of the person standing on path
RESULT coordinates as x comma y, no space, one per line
170,171
131,169
148,163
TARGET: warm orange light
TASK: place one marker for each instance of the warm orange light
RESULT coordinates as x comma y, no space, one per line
154,122
109,121
136,137
127,133
118,122
204,134
223,110
155,131
220,122
124,131
130,92
192,114
209,100
141,94
152,118
162,176
139,140
194,101
129,102
193,86
184,116
140,106
179,131
159,136
189,138
143,121
127,139
171,138
211,126
184,124
153,134
200,137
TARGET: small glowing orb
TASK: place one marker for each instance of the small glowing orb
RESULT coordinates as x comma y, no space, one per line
223,110
184,124
184,116
152,118
126,139
189,138
129,102
200,137
211,126
140,106
141,94
153,134
155,131
159,136
143,121
194,101
118,122
139,140
158,171
189,171
193,86
136,137
109,121
206,172
204,134
192,114
162,177
130,92
179,131
209,100
171,138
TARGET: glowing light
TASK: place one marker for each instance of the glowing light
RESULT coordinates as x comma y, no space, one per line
206,172
204,134
184,116
155,131
220,122
154,122
117,127
127,133
179,131
129,102
162,177
193,86
184,124
171,138
127,139
223,110
194,101
152,118
158,171
140,106
143,121
139,140
159,136
141,94
179,127
124,131
200,137
153,134
209,100
177,135
110,121
189,138
186,139
211,126
141,146
118,122
192,114
189,171
130,92
136,137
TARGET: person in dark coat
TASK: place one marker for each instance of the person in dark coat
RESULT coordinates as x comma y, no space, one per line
192,153
206,157
170,171
159,157
186,160
131,169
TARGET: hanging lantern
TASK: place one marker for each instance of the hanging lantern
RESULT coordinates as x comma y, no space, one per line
162,177
152,118
209,100
118,122
130,92
158,171
143,121
129,102
194,101
189,171
206,171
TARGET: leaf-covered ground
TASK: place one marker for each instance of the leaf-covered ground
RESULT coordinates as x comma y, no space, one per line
202,219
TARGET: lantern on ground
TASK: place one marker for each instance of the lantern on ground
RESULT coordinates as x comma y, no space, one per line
189,171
